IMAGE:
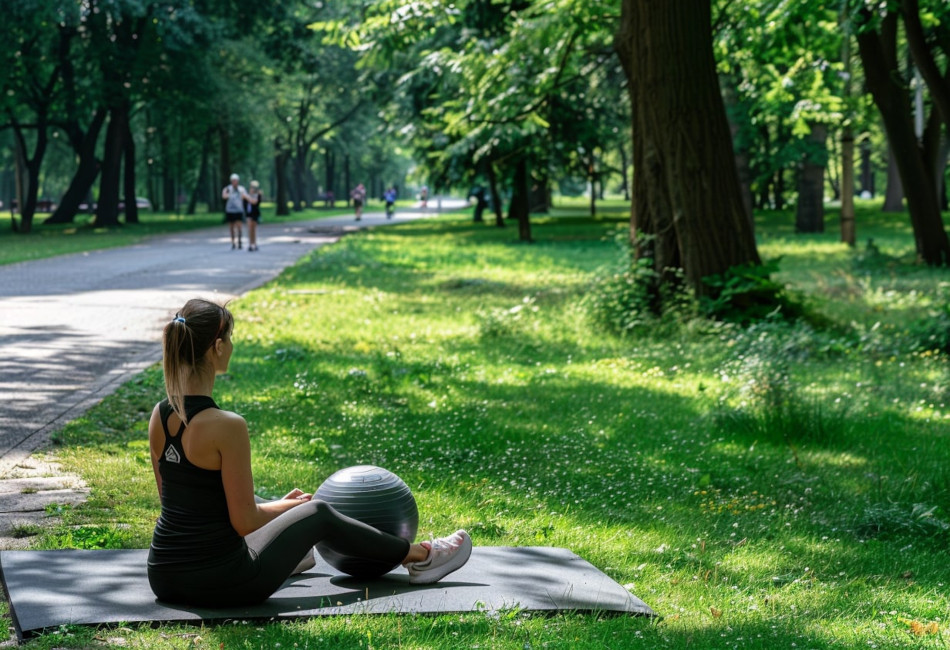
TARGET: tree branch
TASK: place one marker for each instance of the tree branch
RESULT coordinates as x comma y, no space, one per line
924,60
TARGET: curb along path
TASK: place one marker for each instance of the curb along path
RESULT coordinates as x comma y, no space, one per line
76,327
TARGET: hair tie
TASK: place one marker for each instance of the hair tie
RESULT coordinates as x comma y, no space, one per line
178,319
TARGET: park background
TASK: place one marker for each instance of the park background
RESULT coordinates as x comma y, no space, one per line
699,338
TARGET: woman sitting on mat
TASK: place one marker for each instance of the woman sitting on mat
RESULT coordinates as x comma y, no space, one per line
214,544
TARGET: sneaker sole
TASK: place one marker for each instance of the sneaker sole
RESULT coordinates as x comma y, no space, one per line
456,562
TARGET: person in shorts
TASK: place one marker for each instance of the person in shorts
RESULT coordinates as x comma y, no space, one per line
359,198
234,196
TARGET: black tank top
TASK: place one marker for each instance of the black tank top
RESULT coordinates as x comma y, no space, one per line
194,528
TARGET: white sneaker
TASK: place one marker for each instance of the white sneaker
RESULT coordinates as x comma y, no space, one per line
446,554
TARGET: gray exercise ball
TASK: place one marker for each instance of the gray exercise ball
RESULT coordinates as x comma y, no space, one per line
376,497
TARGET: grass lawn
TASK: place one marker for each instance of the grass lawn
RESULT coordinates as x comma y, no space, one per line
780,486
62,239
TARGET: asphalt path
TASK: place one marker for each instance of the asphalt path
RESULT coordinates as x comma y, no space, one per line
75,327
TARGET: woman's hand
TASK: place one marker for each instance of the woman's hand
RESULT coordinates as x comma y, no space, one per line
298,495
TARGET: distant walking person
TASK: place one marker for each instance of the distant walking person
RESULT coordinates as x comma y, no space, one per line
390,197
359,198
254,198
424,196
234,196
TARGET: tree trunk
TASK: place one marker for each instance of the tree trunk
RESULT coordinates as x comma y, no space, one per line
128,176
518,209
848,233
592,179
330,173
85,175
687,199
894,193
107,210
848,229
879,55
624,172
32,165
202,173
280,180
834,179
778,190
867,170
495,196
301,190
347,180
224,142
810,215
540,197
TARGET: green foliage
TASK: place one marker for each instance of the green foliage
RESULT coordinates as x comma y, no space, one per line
932,330
748,293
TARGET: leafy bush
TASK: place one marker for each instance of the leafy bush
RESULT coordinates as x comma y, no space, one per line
628,296
747,293
932,332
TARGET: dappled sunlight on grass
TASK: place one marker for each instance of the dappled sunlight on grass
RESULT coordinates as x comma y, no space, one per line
760,487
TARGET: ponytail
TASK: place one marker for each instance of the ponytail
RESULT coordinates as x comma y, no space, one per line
185,341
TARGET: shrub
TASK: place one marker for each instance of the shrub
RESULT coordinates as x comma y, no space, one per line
747,293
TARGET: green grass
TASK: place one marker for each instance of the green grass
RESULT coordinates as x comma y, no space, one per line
777,487
62,239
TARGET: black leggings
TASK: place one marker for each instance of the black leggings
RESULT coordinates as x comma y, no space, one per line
273,552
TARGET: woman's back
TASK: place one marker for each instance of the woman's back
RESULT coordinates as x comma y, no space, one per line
194,526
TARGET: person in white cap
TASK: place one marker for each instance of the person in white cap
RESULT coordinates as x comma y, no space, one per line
234,196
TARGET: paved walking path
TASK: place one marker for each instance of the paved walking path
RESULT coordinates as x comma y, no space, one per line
75,327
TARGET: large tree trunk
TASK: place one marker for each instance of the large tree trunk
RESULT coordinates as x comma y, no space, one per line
894,192
86,172
687,199
31,164
879,55
107,210
810,215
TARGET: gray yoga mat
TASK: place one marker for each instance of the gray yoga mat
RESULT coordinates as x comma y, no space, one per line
47,589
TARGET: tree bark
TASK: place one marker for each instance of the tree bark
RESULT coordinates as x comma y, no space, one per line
107,210
810,215
894,192
86,171
32,165
879,55
280,179
687,199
